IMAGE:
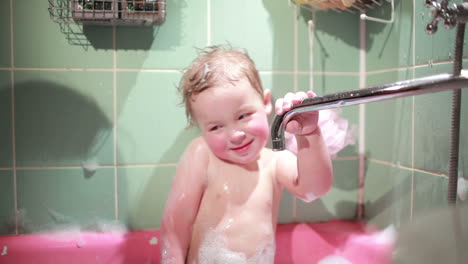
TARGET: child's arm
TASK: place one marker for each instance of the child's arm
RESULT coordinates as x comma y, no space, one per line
183,203
310,175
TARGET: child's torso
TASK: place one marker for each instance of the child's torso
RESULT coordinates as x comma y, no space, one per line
236,221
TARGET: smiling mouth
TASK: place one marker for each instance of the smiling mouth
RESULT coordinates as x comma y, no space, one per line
243,148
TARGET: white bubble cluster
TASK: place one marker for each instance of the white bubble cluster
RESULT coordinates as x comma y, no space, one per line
213,250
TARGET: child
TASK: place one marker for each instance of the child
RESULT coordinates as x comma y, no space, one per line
224,201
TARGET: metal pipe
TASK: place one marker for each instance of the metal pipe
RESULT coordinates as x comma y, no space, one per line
430,84
455,124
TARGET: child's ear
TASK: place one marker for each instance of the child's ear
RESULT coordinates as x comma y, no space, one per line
267,101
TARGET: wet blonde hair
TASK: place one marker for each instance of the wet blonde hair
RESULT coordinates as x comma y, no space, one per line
214,66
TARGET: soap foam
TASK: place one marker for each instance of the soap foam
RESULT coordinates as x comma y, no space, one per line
334,260
213,250
165,258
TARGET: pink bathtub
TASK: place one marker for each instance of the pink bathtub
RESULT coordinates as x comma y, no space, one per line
296,244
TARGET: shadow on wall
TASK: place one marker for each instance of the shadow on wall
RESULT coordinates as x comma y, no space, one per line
396,198
91,36
400,29
333,23
55,126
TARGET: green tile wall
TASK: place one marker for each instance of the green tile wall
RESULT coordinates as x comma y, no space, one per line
408,137
39,43
340,201
264,28
5,43
142,188
388,124
63,117
7,214
171,46
62,198
144,136
432,125
390,45
336,47
387,196
105,97
6,155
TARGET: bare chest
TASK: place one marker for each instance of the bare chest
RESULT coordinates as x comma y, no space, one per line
237,188
240,205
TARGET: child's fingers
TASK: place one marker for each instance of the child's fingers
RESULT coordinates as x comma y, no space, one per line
279,106
311,94
300,96
293,127
288,98
285,104
288,101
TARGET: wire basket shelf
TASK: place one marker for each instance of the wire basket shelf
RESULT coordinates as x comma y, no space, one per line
338,5
108,12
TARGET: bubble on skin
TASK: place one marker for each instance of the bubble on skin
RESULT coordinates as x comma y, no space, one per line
213,250
334,260
228,224
165,259
181,196
226,188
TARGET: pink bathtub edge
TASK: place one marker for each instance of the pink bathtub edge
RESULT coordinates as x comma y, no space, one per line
312,242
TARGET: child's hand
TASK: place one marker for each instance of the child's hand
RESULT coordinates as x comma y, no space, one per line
301,124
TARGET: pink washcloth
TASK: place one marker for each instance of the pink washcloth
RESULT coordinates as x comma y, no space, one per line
336,132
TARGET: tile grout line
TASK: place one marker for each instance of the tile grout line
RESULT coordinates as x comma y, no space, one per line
208,22
95,69
143,165
413,113
396,165
414,66
114,127
295,50
311,33
167,70
13,117
329,73
295,58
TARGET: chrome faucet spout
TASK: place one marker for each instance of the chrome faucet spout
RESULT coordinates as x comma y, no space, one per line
430,84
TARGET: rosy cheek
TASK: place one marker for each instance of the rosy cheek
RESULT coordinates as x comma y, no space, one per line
259,127
217,143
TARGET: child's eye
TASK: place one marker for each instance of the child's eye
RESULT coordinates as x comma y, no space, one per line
214,128
243,116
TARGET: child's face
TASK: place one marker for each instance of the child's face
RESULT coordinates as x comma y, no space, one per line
233,120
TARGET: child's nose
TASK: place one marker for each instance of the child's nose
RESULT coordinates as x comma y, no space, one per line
237,136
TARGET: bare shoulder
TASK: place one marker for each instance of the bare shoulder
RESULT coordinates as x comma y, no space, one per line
195,159
198,146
